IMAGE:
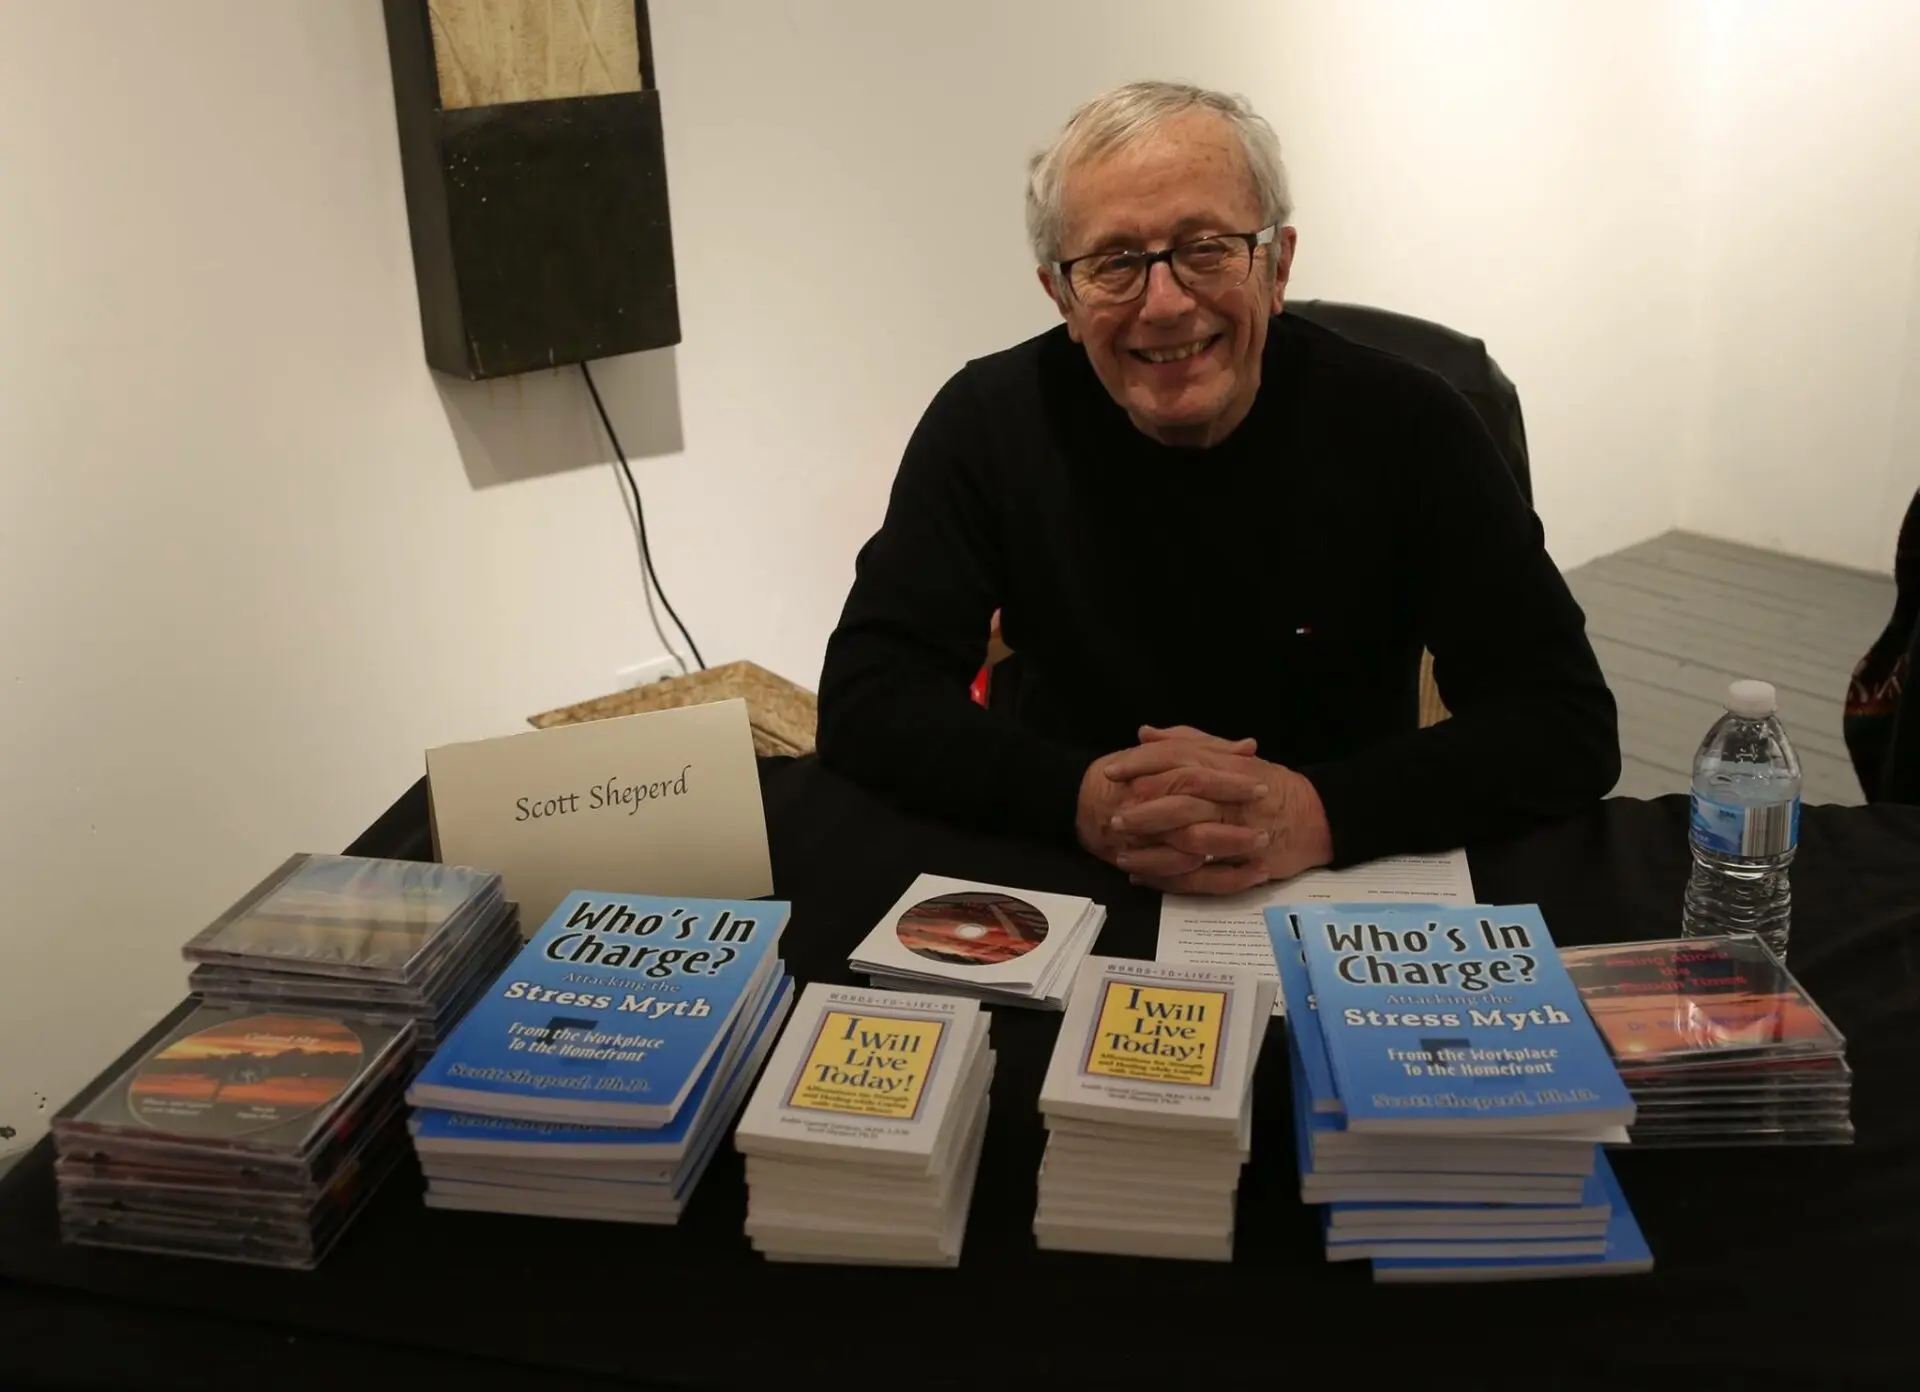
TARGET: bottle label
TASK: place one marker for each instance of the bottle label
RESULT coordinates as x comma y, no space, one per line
1729,829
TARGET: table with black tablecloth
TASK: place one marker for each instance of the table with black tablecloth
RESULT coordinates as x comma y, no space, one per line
1792,1266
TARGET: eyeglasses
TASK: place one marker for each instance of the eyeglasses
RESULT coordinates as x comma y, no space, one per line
1206,266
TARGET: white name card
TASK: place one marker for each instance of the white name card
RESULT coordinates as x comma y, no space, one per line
664,802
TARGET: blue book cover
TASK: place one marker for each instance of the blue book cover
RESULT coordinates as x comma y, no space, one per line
1283,933
610,1014
1456,1021
1309,1126
465,1135
1303,1020
1626,1254
1470,1243
1595,1202
1304,1117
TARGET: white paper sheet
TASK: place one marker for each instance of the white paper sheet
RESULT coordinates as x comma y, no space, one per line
1229,930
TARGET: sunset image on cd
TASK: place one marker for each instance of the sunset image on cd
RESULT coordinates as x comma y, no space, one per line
973,929
245,1075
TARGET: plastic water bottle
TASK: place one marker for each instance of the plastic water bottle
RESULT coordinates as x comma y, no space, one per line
1746,822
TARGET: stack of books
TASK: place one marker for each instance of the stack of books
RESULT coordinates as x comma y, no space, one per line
863,1138
962,938
235,1132
1148,1103
1451,1095
1718,1043
387,940
597,1075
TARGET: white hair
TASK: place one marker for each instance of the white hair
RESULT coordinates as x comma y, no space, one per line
1127,114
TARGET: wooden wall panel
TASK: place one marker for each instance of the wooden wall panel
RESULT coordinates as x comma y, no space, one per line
490,52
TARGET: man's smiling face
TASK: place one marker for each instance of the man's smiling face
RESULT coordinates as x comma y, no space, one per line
1184,366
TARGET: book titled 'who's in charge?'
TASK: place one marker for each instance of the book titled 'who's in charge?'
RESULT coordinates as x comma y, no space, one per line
1448,1020
611,1013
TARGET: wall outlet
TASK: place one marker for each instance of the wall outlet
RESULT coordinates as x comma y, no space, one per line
641,673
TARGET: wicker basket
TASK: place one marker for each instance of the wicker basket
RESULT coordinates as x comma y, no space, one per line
1432,709
784,717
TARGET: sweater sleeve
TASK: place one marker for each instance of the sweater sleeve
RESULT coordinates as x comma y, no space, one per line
1533,731
895,709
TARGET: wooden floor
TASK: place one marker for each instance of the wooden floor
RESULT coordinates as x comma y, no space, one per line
1677,618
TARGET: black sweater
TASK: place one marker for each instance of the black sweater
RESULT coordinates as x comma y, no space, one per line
1280,584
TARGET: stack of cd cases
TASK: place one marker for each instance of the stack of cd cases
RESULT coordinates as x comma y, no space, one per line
386,940
1717,1042
235,1132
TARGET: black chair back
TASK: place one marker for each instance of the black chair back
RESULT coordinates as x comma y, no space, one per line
1463,361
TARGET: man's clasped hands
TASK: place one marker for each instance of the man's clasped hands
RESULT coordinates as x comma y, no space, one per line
1186,812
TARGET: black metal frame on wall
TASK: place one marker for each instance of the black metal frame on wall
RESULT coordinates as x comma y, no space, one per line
540,228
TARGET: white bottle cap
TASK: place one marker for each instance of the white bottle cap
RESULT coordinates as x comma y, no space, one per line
1752,700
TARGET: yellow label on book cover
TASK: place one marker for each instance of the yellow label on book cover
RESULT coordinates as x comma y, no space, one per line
1158,1034
867,1065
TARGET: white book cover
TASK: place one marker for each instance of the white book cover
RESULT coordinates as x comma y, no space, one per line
1081,1134
1067,1156
866,1077
517,1171
1141,1160
1367,1189
1575,1160
613,1190
766,1175
549,1206
775,1184
1477,1250
632,1199
850,1211
1062,1175
1134,1222
1219,1223
803,1244
1504,1144
1157,1044
1066,967
881,981
1052,978
1121,1201
978,934
1569,1185
1133,1134
1134,1240
1378,1218
1049,994
1442,1232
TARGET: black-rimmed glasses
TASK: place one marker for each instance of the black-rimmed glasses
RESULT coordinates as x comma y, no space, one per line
1204,266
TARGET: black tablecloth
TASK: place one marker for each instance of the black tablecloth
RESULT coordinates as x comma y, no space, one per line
1772,1265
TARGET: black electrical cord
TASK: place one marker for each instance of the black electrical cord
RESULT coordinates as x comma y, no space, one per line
646,588
650,578
630,503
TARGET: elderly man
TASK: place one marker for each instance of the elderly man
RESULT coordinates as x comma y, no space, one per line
1219,538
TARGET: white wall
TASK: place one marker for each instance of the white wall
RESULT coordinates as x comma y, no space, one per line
244,580
254,558
1524,173
1443,160
1811,397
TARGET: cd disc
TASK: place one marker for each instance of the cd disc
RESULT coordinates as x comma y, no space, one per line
971,930
245,1075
